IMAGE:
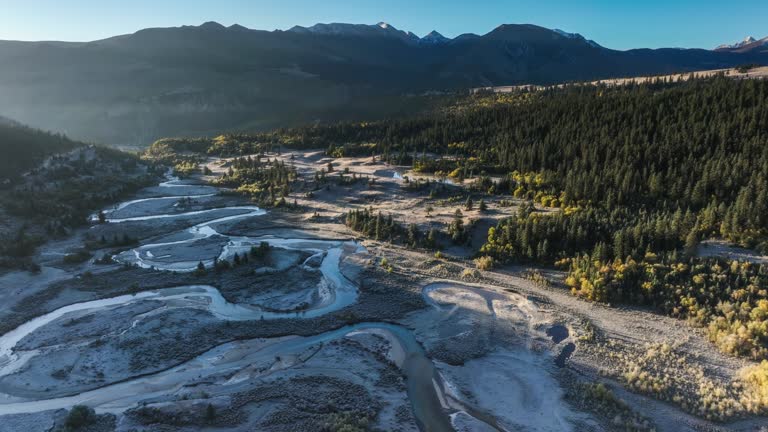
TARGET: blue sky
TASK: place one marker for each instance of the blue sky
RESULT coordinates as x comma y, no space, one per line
619,24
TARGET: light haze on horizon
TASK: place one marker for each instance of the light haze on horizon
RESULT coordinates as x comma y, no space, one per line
613,24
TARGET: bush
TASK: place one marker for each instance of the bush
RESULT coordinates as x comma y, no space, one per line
105,259
755,379
746,68
470,274
484,263
597,398
538,278
77,257
384,263
210,413
261,251
347,422
200,269
79,417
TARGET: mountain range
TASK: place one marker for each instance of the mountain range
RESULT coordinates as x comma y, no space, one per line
748,45
200,80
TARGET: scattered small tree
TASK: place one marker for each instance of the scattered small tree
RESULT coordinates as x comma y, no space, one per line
261,251
210,413
200,270
456,228
221,264
431,241
413,236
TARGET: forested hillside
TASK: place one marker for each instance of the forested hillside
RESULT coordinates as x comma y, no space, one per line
666,155
50,185
24,148
641,173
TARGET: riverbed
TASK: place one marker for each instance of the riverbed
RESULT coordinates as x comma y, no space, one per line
503,329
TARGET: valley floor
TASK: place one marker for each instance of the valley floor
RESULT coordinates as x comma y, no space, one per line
310,327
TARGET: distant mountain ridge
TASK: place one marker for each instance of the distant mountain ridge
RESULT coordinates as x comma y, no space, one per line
381,29
434,38
748,40
201,80
749,44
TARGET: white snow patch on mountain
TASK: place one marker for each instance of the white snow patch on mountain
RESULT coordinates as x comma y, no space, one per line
748,40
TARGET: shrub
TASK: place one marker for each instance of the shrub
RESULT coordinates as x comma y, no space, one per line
598,398
538,278
347,422
200,270
755,379
746,67
484,263
210,413
384,263
105,259
77,257
261,251
79,417
483,206
470,274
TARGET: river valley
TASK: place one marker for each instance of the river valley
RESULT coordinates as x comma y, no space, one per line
199,310
87,348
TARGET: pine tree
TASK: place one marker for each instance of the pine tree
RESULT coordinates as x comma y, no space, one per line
691,243
200,270
210,413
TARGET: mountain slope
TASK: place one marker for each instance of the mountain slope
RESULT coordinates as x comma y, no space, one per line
434,38
197,80
748,45
24,148
748,40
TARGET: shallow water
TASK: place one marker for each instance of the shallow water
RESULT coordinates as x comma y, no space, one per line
426,389
335,291
558,333
423,382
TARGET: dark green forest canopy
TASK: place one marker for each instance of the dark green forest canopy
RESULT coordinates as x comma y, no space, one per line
641,173
650,162
681,143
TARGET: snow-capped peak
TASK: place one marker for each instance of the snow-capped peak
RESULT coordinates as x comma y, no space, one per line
357,30
748,40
